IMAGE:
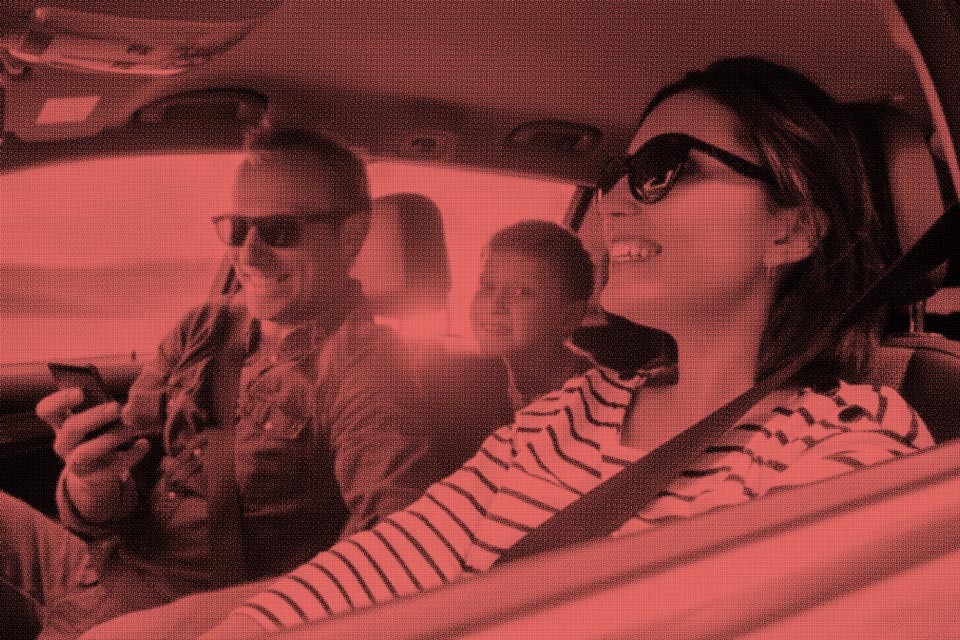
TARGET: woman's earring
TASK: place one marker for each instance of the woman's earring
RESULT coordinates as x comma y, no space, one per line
768,267
787,250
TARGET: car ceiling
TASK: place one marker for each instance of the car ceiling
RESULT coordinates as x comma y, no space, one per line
384,76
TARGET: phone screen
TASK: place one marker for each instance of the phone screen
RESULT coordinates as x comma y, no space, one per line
88,379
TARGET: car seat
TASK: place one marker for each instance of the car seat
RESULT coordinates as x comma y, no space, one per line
923,367
18,615
404,270
403,265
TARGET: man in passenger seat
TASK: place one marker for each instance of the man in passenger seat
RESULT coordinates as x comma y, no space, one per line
265,428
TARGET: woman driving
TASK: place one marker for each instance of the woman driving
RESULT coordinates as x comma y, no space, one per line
740,223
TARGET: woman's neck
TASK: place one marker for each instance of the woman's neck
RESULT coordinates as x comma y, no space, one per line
717,361
718,349
717,356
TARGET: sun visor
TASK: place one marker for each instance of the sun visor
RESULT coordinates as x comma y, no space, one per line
119,44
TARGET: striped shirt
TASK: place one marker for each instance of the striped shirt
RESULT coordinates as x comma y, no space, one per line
560,448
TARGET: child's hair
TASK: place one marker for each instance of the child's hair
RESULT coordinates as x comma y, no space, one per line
556,246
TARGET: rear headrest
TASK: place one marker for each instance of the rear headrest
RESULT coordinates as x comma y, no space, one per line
403,264
903,179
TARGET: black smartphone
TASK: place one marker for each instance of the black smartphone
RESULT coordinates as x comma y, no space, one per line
87,378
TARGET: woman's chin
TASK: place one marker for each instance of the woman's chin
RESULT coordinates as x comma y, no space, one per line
638,303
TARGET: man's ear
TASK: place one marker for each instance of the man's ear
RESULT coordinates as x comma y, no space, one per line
795,238
353,232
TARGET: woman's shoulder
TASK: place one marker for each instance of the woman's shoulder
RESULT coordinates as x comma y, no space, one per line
594,402
844,407
852,424
798,436
597,386
790,422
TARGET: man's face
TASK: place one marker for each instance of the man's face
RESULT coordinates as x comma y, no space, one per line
290,285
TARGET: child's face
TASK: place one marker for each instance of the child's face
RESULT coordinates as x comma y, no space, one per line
520,305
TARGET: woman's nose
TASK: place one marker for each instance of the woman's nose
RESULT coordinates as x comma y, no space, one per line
620,212
617,202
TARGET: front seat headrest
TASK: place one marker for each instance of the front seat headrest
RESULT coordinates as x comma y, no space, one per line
903,179
403,264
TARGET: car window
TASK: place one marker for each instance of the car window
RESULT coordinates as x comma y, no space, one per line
101,257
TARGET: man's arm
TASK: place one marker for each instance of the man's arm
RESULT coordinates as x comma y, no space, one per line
381,449
100,484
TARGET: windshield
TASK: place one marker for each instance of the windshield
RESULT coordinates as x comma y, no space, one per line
101,257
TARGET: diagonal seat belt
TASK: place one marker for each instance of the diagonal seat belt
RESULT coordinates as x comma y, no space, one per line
228,563
605,509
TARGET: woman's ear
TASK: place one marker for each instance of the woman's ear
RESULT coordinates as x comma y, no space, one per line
795,238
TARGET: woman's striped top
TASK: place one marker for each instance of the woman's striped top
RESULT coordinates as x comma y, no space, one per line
561,447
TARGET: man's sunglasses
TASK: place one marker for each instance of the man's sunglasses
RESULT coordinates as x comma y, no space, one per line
282,231
658,164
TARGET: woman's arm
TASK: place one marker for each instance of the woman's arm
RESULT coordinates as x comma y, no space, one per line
419,548
237,626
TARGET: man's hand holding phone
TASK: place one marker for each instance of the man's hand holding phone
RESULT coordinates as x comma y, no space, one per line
98,449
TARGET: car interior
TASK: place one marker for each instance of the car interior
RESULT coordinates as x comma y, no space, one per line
529,98
907,361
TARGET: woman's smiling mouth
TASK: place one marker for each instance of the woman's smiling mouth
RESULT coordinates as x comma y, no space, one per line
636,249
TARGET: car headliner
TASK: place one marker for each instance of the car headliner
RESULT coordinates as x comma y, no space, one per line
380,74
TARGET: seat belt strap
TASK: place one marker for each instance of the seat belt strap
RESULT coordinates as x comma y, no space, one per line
606,508
224,520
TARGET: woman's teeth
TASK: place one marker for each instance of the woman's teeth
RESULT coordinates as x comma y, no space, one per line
636,250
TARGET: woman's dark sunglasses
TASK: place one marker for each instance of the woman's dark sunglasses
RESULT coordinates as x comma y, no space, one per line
283,231
656,166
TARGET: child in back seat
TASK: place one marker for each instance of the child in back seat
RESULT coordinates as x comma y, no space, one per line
534,286
536,281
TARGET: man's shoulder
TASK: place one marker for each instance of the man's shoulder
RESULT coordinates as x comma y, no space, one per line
362,336
203,324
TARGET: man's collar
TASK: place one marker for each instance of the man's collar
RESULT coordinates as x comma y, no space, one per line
311,334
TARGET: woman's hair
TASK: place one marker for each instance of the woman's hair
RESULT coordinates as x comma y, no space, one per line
555,246
808,141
